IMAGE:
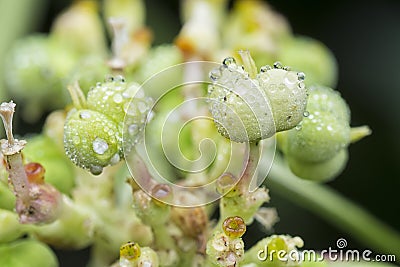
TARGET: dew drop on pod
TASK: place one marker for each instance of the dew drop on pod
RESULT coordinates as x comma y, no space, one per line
94,129
249,108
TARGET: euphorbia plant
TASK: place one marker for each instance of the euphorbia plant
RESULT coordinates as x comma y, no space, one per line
116,191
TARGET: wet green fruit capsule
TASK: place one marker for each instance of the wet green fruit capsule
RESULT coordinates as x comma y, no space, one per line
105,125
316,149
238,105
91,140
247,108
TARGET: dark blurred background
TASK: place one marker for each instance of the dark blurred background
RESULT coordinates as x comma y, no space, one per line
365,38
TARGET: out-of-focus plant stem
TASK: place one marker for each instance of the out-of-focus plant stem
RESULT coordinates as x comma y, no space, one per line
336,209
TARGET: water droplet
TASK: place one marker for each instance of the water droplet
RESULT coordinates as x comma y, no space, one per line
301,76
130,109
120,78
287,68
98,84
76,140
115,159
109,79
301,85
117,98
306,113
278,65
100,146
133,129
229,61
298,127
215,74
84,115
96,170
265,68
142,107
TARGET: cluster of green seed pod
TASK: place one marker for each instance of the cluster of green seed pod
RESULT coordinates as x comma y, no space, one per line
317,148
99,131
249,109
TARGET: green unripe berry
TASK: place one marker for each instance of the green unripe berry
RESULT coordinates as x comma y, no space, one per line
319,137
319,171
91,140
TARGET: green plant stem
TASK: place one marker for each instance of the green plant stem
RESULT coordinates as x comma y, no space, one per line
336,209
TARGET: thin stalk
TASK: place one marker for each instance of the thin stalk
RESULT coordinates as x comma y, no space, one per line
250,168
336,209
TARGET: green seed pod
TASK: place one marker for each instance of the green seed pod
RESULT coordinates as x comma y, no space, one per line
92,140
27,252
319,137
123,103
323,171
286,93
238,105
311,57
317,148
247,109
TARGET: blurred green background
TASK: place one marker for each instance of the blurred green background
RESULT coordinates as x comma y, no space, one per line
365,38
